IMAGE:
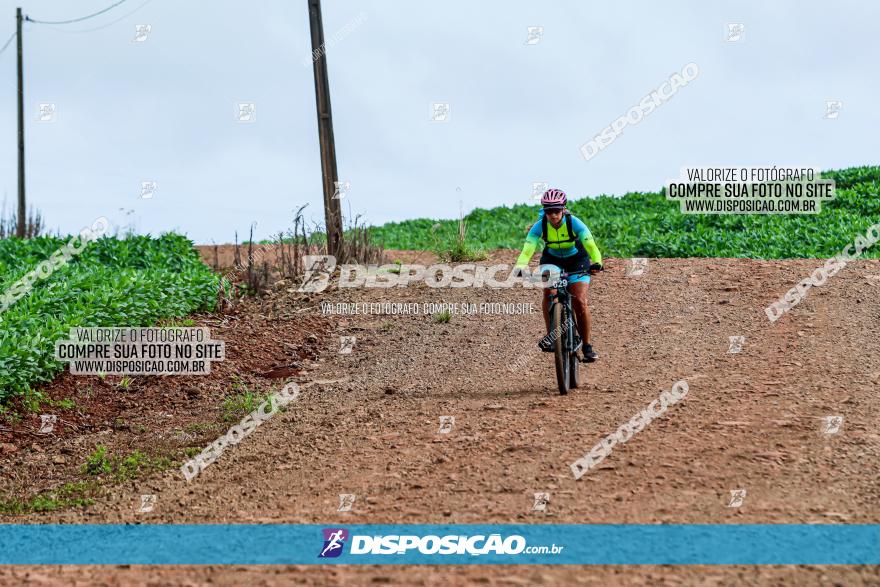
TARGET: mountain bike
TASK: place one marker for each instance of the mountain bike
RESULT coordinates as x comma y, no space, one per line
564,333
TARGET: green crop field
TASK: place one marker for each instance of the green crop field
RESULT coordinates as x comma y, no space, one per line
130,282
648,225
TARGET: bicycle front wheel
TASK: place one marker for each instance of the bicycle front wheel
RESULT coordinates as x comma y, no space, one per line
561,357
574,364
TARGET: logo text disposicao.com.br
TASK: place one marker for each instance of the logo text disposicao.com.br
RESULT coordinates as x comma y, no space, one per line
335,540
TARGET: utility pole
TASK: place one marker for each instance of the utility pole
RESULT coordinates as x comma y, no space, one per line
332,212
22,212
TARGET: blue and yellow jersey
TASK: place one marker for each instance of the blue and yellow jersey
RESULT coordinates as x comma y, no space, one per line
559,242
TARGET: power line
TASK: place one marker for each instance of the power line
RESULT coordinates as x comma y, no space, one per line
6,44
103,26
29,19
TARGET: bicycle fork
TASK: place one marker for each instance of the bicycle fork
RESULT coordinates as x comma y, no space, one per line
568,323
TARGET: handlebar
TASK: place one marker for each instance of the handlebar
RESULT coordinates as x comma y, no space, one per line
593,268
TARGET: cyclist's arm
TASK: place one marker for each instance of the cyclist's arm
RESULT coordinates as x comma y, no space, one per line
586,238
530,246
593,250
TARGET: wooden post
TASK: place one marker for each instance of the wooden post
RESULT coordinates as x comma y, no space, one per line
22,210
332,211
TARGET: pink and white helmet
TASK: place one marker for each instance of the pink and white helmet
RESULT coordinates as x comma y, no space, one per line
553,199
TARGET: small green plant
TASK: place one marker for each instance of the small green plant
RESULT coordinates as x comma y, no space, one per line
386,326
239,405
137,464
198,427
75,487
32,400
64,404
9,416
443,317
129,467
124,468
460,250
238,383
192,451
97,463
125,383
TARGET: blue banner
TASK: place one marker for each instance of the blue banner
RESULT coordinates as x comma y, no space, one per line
567,544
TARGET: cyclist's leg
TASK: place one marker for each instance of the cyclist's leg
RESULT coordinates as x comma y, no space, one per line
579,289
546,342
547,268
545,307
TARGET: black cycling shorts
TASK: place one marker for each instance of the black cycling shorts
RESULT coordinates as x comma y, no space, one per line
578,262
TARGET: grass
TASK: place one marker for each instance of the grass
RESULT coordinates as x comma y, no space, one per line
647,225
122,468
199,427
243,402
135,281
64,404
443,317
99,467
236,407
137,465
10,416
97,462
76,494
460,251
31,401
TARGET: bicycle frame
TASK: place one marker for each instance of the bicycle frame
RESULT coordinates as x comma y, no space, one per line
563,296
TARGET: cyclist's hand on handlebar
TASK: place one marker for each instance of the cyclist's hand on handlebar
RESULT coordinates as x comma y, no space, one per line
529,276
595,268
524,274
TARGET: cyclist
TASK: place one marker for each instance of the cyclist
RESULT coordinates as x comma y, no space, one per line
569,247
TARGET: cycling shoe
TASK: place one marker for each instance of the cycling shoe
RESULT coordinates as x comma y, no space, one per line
590,355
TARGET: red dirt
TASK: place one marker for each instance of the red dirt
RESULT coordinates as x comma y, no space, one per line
366,423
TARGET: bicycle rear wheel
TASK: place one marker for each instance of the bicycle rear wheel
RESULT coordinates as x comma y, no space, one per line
560,355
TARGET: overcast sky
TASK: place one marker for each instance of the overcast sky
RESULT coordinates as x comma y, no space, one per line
165,109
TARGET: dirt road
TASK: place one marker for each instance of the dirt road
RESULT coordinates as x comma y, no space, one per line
367,423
